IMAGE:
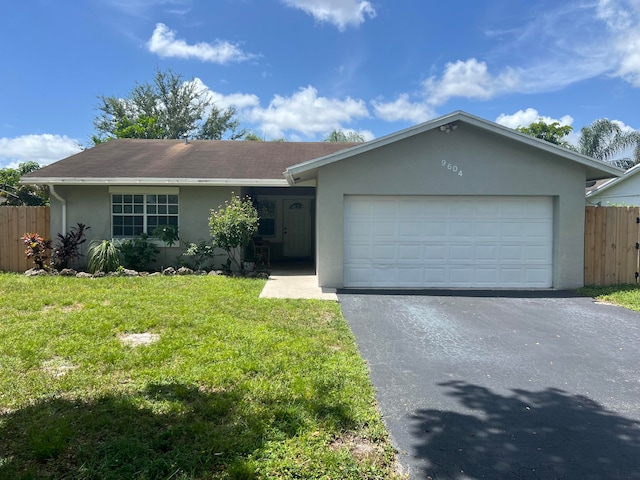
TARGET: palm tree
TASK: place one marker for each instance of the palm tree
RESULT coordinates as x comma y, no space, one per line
604,139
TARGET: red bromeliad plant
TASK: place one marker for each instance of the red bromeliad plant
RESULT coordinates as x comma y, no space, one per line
37,248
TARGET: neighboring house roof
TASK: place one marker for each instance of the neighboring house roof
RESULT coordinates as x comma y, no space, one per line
595,169
198,162
613,182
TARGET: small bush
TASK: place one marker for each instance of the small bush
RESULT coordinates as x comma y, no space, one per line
138,253
37,249
233,226
68,247
104,256
199,254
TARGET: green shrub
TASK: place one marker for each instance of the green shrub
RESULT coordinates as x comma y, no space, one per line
104,256
68,247
232,227
138,253
37,249
199,254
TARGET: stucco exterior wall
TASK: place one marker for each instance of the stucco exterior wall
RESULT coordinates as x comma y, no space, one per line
490,165
91,205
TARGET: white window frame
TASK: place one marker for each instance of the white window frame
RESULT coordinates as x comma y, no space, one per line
144,191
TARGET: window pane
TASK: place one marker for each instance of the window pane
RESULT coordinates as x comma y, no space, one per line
162,199
128,231
162,209
117,199
117,231
138,209
128,198
173,199
138,221
151,199
117,209
117,221
173,209
137,230
128,209
173,221
152,222
138,198
151,209
128,220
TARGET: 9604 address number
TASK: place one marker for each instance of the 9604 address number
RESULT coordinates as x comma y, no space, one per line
451,167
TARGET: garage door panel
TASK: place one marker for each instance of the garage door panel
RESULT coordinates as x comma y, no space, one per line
448,242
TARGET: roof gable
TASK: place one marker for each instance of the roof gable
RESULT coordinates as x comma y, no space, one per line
595,169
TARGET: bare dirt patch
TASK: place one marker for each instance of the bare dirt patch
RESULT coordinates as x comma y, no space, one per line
137,339
360,448
57,367
76,307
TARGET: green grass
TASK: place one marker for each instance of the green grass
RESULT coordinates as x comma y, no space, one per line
627,296
235,387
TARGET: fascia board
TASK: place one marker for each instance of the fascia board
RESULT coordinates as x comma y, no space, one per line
241,182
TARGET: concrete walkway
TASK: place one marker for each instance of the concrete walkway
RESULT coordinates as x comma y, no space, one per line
296,284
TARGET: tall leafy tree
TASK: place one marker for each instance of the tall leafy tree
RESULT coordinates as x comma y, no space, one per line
167,108
550,132
12,192
342,136
604,140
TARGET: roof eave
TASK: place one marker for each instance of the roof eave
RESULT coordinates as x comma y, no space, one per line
186,182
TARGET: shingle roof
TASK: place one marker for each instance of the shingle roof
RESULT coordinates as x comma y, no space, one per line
174,160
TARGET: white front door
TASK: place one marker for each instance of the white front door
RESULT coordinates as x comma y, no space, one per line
297,227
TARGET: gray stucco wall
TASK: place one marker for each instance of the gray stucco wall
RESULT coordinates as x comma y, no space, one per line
490,164
91,205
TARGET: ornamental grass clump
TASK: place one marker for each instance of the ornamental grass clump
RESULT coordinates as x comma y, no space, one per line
232,227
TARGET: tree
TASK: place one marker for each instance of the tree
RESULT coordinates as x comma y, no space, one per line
604,139
232,227
342,136
550,132
12,192
167,108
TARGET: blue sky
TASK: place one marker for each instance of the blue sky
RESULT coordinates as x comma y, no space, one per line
301,68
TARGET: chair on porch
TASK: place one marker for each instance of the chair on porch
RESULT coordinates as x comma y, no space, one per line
261,250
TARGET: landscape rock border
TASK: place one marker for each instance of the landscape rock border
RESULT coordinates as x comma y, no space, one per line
169,271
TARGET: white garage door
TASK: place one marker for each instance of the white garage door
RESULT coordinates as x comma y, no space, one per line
448,242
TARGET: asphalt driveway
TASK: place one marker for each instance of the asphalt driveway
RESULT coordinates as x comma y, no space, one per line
478,387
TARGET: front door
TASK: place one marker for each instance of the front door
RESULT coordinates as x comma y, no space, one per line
297,227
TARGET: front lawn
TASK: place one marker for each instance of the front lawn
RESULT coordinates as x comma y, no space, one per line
627,296
231,386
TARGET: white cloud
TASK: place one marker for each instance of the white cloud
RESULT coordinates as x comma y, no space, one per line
305,112
622,18
341,13
524,118
43,149
221,101
403,109
469,79
163,42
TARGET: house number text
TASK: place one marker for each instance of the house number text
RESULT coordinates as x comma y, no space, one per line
451,167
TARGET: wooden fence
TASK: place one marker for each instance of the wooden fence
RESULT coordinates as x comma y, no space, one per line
14,223
611,239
